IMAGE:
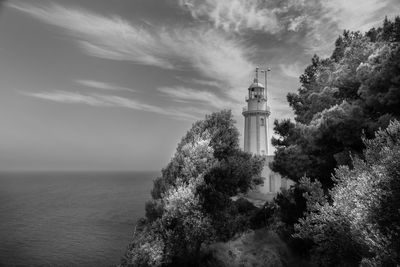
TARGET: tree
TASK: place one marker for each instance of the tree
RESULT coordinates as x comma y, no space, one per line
342,98
191,202
184,224
361,222
387,30
355,91
396,29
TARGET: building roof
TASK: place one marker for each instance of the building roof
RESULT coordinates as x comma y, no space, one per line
256,85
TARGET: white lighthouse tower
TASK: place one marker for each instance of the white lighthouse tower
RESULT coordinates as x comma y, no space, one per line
256,119
256,139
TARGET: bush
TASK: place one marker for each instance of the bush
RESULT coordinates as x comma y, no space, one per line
191,203
289,206
362,222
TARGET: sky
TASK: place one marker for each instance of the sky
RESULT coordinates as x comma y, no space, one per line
99,85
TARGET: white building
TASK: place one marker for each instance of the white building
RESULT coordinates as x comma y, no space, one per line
256,134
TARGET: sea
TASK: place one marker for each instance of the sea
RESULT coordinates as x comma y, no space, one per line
70,218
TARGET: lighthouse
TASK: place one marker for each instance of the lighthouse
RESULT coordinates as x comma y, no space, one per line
256,115
256,138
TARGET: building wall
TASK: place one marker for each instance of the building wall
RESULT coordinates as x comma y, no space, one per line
273,182
263,135
256,134
253,134
255,104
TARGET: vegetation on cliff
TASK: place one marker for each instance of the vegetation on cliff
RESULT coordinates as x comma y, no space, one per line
346,124
359,219
191,202
355,91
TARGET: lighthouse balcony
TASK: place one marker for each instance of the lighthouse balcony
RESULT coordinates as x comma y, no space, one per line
267,109
255,98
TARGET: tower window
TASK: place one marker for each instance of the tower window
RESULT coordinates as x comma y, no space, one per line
262,122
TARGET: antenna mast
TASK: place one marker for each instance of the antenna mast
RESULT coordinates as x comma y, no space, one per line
265,75
256,74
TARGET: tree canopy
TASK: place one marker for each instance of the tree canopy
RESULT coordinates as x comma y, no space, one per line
343,150
361,220
355,91
191,202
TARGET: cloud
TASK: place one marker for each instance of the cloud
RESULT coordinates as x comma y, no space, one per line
101,100
103,86
212,53
234,15
68,97
215,55
268,16
275,16
305,23
292,70
313,24
296,23
218,58
218,45
107,37
328,19
195,96
208,83
357,14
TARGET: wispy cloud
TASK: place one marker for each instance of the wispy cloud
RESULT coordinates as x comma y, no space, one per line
242,15
217,47
68,97
234,15
212,53
107,37
215,55
292,70
103,85
332,17
102,100
195,96
305,23
313,23
208,83
358,14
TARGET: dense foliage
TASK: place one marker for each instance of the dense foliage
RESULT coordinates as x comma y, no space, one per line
361,222
191,202
355,91
350,218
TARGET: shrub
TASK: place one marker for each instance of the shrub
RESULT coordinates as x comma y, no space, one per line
361,224
191,202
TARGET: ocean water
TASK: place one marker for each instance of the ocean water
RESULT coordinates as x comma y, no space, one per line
69,219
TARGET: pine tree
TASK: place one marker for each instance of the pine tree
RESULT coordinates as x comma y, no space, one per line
396,29
387,30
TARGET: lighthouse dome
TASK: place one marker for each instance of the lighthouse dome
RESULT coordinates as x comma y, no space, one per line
256,84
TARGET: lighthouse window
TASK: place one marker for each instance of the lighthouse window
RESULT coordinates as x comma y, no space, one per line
262,122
